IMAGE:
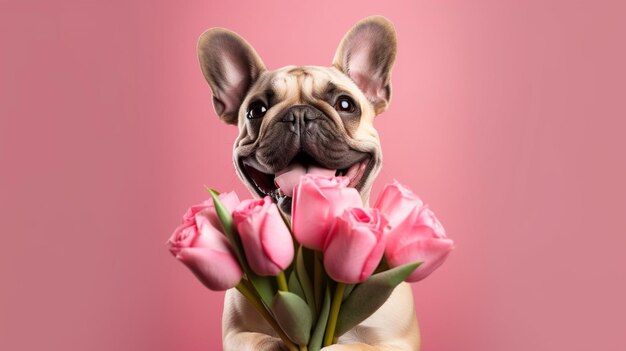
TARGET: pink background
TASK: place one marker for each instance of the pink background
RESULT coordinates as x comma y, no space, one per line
507,117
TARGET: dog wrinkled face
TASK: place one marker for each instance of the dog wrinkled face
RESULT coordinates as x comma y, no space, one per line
300,120
306,119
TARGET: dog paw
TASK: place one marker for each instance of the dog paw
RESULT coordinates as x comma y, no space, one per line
271,344
350,347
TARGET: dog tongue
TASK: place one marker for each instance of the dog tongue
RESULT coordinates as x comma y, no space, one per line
287,179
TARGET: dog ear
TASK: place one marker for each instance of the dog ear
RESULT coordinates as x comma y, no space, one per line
366,54
230,66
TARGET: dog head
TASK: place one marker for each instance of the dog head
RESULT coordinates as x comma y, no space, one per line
305,119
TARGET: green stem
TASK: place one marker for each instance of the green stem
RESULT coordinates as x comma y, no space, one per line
334,313
317,282
282,281
254,300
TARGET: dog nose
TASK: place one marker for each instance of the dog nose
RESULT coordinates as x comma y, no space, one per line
301,114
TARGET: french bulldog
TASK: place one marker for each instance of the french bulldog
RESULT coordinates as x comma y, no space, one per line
307,119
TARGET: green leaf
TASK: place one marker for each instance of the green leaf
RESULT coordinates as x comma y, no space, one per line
318,334
229,229
294,285
367,297
305,281
349,288
293,316
264,286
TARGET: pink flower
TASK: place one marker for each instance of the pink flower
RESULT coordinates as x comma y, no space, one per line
316,202
230,200
419,238
397,202
265,237
355,245
200,244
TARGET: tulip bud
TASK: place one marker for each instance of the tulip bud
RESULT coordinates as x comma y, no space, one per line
200,244
265,237
397,202
355,245
317,201
419,238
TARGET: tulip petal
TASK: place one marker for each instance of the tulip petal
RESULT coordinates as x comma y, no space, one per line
276,239
209,236
183,236
266,240
216,270
356,245
397,202
373,259
400,237
309,216
255,254
342,199
432,252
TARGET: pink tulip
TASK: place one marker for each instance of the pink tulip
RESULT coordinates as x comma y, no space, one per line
230,200
203,248
355,245
266,239
397,202
419,238
316,202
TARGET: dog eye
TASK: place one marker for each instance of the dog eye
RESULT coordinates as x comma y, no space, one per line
345,104
256,110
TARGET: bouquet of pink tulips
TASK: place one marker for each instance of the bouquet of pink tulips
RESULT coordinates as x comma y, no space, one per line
325,272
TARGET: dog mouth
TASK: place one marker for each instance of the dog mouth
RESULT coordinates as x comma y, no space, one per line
281,185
